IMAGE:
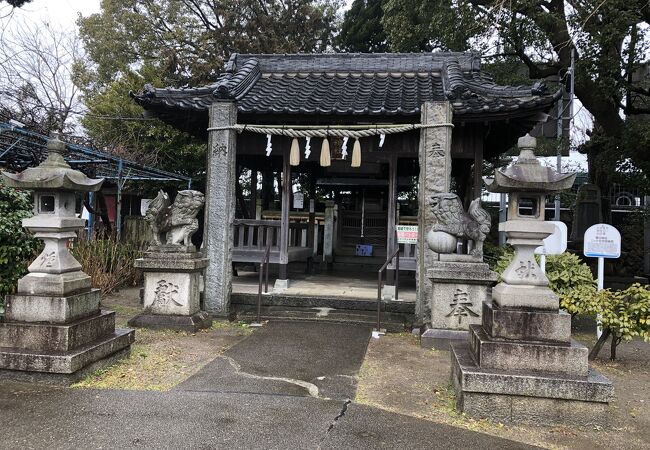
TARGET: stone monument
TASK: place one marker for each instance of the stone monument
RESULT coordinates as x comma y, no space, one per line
521,364
172,266
54,329
587,211
460,282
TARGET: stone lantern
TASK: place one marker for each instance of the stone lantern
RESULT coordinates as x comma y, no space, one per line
527,184
54,328
521,365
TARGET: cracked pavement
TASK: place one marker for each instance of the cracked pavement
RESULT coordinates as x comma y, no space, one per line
289,385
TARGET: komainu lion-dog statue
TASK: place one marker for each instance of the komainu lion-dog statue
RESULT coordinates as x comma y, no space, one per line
452,219
174,224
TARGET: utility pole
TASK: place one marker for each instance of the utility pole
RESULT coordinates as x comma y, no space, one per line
560,126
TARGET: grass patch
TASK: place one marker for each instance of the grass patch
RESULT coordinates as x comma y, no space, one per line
162,359
145,369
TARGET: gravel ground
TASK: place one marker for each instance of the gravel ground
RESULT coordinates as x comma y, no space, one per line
399,376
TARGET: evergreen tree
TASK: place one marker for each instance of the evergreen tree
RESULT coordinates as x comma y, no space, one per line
362,30
610,41
177,43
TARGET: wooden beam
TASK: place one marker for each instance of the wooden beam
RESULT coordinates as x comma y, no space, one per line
392,206
253,199
478,168
284,230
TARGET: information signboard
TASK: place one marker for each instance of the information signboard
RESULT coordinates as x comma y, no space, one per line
555,244
298,200
602,241
407,234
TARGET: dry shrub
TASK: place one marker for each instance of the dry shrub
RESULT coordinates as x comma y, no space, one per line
109,263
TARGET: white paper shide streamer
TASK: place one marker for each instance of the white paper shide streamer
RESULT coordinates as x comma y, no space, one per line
344,148
307,147
269,147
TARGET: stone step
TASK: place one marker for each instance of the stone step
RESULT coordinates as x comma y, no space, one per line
65,362
391,322
321,301
537,326
489,353
56,337
192,324
51,309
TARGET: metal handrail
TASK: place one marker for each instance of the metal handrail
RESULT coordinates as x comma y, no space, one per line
380,279
264,274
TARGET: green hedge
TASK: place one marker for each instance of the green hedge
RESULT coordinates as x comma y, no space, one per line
17,246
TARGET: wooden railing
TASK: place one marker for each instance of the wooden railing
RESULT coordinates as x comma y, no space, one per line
256,234
250,234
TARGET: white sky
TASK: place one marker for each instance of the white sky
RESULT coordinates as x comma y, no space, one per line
63,14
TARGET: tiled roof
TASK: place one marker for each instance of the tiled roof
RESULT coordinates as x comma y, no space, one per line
392,84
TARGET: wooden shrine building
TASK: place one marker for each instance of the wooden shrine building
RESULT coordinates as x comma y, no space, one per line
424,123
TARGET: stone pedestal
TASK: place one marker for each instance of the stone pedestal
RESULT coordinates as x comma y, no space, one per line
460,285
172,277
523,367
520,364
59,339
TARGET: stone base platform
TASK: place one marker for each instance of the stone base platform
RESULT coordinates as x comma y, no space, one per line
518,397
67,366
64,379
191,323
500,354
441,339
551,327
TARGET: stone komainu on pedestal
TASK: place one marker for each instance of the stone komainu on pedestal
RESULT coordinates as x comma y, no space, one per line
460,282
54,329
175,223
520,364
453,221
172,266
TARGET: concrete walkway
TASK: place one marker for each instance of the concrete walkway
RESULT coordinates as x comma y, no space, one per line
287,386
294,358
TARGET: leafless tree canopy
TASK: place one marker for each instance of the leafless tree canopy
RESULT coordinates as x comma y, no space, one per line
36,76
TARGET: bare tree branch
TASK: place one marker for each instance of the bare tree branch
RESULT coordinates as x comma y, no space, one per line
36,76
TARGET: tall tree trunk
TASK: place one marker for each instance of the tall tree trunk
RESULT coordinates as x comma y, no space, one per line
615,341
599,344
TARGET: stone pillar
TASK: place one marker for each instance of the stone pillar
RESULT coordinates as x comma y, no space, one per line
220,208
328,232
435,177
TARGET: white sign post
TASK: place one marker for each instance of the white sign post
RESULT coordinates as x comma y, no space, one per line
555,244
602,241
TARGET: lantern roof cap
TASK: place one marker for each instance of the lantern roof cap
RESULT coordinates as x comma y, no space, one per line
527,174
53,174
